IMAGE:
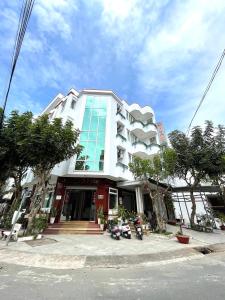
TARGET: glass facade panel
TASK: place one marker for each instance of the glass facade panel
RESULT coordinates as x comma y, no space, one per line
84,136
92,136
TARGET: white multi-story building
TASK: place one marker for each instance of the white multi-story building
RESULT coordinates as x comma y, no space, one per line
112,132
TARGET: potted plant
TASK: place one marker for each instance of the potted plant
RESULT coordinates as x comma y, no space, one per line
53,213
182,238
122,213
102,223
100,214
144,221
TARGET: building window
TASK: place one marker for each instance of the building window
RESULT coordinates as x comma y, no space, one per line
128,135
72,105
120,154
63,106
92,136
153,140
134,139
130,156
113,198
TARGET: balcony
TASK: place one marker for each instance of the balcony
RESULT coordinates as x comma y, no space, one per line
121,141
145,151
142,130
141,113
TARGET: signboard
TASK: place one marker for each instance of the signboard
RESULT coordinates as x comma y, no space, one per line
58,197
100,197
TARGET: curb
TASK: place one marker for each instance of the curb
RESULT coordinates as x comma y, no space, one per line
71,262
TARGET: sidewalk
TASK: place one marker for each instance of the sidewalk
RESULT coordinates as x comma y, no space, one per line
78,251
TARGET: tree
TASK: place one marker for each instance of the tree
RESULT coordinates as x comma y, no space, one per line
50,144
215,142
157,168
199,158
13,148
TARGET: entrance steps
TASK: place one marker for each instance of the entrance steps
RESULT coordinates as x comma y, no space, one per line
73,227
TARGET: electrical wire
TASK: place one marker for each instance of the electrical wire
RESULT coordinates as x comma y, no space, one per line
207,89
25,14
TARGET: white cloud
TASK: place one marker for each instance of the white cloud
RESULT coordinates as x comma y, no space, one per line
174,51
54,16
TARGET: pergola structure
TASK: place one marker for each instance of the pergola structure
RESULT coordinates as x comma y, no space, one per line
203,194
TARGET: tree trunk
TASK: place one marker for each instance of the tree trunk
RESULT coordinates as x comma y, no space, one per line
18,192
193,208
36,204
161,226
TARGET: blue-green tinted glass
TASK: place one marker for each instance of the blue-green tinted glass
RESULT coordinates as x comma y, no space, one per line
94,122
90,165
84,136
86,120
92,136
101,125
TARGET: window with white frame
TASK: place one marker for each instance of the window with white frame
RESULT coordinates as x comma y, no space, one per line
72,104
113,198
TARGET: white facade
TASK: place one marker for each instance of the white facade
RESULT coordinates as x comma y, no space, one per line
129,131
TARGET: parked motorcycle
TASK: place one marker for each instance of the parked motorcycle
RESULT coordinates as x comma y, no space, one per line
138,228
125,230
114,229
116,232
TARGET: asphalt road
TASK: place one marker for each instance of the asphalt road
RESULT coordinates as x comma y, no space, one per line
195,279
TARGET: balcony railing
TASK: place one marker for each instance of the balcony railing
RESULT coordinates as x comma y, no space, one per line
146,146
144,124
120,164
122,137
122,116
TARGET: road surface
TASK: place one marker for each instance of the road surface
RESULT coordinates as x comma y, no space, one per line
195,279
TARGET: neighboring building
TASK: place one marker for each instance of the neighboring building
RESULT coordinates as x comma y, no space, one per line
112,133
162,135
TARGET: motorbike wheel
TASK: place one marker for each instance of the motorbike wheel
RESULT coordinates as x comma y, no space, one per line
141,237
129,237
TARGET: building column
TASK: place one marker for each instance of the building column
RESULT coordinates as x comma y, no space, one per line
139,200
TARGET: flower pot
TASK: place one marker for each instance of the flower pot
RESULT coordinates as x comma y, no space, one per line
183,239
102,227
143,226
222,227
172,222
52,220
99,221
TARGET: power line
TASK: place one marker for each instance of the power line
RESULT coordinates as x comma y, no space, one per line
207,88
21,30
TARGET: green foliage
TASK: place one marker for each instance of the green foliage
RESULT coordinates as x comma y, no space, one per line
144,219
200,157
39,224
122,212
14,144
100,212
157,168
53,212
52,142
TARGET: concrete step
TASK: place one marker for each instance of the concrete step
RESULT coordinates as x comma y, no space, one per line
71,231
73,227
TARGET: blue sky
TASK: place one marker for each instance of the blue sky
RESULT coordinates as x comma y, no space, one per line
157,53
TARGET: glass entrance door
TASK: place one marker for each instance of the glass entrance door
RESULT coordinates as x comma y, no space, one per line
78,205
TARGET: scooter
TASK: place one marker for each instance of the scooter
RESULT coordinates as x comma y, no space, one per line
116,232
125,230
114,229
138,228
